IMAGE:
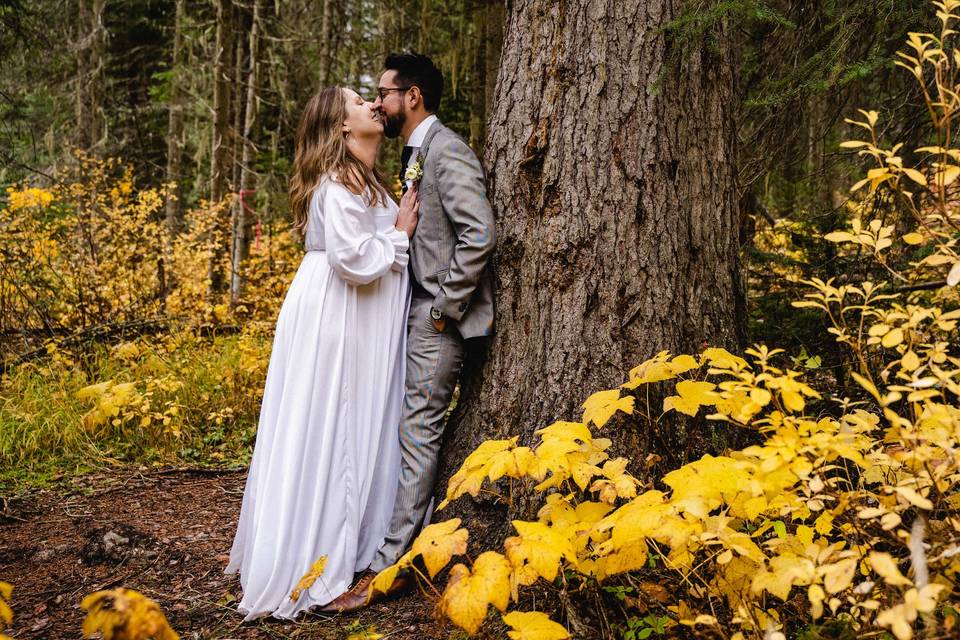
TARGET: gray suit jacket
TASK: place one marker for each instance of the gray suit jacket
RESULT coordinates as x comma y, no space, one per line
451,248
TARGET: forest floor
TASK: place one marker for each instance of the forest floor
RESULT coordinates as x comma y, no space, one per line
167,534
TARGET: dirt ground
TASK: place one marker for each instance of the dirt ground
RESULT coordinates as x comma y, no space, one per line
166,534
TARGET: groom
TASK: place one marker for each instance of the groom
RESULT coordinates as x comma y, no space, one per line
452,290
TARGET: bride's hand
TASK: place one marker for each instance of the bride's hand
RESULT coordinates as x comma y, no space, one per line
409,211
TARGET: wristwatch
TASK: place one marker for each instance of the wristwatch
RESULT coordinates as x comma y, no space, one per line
436,314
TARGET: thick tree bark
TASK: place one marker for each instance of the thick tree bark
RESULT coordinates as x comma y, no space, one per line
243,206
174,208
611,171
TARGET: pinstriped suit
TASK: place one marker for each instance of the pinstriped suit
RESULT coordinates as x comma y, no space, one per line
450,268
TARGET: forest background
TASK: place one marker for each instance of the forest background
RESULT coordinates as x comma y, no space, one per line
145,149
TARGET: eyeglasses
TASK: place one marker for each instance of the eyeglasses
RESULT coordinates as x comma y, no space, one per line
383,91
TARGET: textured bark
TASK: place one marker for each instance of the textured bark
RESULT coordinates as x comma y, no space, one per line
488,34
327,41
223,54
244,217
174,209
611,172
90,48
220,146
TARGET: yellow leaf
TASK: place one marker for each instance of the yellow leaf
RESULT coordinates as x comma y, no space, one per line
816,596
93,390
533,625
910,360
886,567
866,384
566,431
914,498
915,175
438,543
954,276
492,459
384,580
692,395
723,359
785,571
839,236
892,338
946,175
512,463
469,593
601,406
683,363
839,575
913,238
824,523
538,549
124,614
316,570
6,614
628,557
655,369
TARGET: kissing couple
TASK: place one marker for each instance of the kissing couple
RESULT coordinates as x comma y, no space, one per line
368,347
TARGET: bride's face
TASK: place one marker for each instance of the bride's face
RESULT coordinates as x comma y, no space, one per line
362,120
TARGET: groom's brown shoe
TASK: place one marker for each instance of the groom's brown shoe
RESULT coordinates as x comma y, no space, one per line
353,598
356,598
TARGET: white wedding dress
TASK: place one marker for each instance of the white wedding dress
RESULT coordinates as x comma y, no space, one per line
323,477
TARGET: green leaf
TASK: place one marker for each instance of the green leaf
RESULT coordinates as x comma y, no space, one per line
780,529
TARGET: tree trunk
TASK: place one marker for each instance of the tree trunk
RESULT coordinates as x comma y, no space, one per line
611,172
90,47
488,35
326,42
220,148
174,208
243,206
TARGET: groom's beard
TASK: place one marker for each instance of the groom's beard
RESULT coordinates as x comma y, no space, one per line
393,124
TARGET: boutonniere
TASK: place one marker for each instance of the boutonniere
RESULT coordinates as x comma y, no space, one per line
414,172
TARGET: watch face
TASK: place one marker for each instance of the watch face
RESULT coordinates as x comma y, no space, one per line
435,313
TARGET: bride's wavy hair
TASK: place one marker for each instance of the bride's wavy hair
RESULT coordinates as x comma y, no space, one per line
321,148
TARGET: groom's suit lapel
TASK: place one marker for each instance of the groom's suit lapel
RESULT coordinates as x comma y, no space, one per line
427,139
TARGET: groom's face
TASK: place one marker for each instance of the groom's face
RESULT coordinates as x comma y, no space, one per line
391,103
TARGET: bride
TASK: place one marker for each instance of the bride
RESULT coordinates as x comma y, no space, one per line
323,477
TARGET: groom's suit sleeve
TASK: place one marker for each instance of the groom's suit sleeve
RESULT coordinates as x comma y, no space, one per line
463,195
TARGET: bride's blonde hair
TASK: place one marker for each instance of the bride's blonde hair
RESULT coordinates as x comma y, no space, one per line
321,149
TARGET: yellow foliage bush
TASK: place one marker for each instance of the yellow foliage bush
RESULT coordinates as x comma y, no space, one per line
181,397
850,512
93,249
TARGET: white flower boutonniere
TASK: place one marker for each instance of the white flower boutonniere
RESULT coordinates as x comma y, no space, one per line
414,172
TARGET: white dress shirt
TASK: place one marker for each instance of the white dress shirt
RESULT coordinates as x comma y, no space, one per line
416,140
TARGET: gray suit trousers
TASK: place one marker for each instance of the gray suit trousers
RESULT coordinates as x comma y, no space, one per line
434,360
